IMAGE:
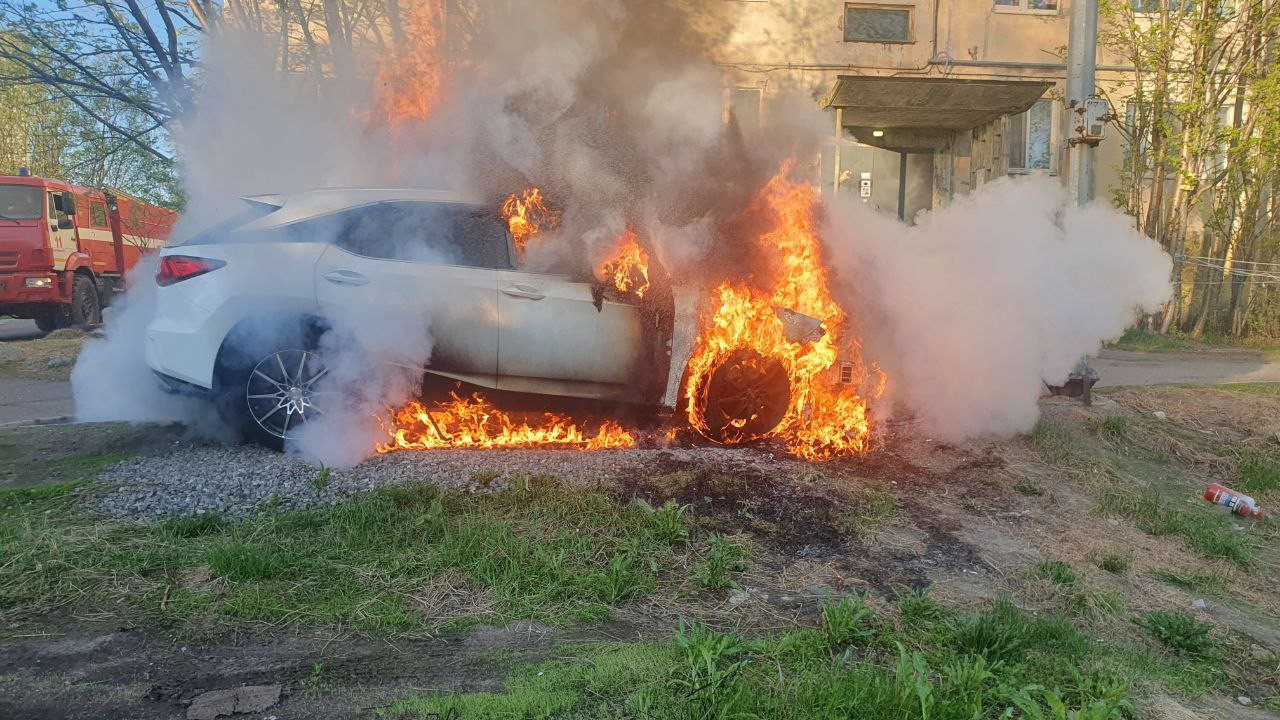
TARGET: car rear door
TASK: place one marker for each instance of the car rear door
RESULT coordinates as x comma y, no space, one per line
552,337
399,270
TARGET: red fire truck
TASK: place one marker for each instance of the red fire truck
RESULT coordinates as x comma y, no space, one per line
64,250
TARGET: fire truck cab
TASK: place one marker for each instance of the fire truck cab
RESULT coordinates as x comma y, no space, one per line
64,249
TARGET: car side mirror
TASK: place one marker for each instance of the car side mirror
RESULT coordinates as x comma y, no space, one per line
64,223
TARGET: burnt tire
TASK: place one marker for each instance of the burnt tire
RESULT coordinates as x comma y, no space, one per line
85,309
744,398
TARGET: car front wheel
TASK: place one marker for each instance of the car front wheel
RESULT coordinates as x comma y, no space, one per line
743,398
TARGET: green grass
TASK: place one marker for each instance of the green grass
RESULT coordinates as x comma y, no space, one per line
1111,428
1209,533
1053,440
992,661
872,509
533,552
1115,563
1259,474
1205,583
1059,573
1180,632
1144,341
721,562
1263,389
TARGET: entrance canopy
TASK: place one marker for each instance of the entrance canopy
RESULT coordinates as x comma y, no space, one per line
920,114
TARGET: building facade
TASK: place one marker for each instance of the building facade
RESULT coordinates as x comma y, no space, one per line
931,98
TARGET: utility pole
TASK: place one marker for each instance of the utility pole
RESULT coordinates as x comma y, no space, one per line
1082,61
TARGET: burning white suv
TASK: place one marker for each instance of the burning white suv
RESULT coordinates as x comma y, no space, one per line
242,307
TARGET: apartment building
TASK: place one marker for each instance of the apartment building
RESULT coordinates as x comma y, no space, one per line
927,99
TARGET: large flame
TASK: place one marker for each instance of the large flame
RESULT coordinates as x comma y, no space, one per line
474,422
526,215
824,417
628,271
411,76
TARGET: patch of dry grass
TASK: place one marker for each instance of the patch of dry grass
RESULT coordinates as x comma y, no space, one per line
31,358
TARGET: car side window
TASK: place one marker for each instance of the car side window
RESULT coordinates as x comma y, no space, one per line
443,233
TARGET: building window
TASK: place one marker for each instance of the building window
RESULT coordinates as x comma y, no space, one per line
97,214
744,106
1153,7
1031,138
877,23
1047,6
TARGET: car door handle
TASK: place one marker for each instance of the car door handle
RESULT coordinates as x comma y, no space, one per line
528,292
346,277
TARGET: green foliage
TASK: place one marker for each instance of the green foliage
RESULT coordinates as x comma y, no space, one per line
1113,428
248,562
1209,533
1059,573
1053,440
918,607
1259,474
848,621
1200,583
722,559
710,678
1180,631
541,553
668,523
191,526
320,481
914,671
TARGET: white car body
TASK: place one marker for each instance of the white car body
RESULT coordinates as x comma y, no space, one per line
491,323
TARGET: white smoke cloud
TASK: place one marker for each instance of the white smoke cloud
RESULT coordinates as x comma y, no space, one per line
971,310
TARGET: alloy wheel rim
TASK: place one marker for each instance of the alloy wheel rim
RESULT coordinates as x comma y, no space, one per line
281,392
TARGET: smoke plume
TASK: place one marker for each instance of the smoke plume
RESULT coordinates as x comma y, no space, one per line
971,310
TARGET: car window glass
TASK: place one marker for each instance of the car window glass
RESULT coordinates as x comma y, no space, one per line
443,233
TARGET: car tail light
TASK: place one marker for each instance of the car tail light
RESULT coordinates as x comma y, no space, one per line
176,268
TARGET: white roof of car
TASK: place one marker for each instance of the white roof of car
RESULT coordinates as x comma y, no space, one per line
293,207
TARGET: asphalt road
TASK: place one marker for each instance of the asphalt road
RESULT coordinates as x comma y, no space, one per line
24,401
14,329
1208,367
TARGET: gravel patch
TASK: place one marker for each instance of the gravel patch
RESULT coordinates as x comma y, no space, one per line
238,479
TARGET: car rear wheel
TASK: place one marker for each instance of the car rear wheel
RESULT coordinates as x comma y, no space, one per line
272,390
281,394
743,398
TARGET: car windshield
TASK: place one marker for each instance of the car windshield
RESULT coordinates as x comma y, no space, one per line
20,202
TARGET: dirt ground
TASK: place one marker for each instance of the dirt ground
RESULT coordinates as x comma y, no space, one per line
972,522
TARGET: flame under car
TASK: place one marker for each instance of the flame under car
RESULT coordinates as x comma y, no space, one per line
269,313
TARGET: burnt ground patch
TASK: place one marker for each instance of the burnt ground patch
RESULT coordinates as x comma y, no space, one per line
93,672
787,512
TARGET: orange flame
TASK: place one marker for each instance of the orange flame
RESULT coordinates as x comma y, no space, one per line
629,268
410,78
474,422
824,418
526,215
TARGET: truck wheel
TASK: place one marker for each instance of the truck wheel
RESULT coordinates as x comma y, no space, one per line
46,320
85,309
743,398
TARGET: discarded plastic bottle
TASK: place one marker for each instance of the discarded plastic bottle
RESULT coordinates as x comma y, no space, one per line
1238,503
